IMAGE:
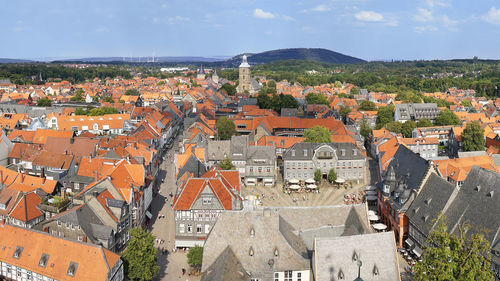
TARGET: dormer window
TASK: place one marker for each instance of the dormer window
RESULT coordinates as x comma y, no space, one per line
72,269
293,152
276,252
375,270
252,232
18,252
477,188
355,152
341,275
354,256
250,252
305,152
43,260
427,201
490,194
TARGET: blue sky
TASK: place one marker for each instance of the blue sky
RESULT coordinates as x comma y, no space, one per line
369,29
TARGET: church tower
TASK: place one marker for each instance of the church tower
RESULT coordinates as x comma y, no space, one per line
215,77
201,73
244,77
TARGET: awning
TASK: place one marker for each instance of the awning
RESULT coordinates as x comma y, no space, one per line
380,226
188,243
311,186
268,180
370,187
149,215
251,180
409,242
371,198
369,192
373,217
339,180
417,251
293,181
294,187
371,212
310,181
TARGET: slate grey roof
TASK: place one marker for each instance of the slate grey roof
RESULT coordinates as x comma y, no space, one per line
434,197
409,167
463,154
267,153
289,112
478,204
239,146
280,229
102,232
225,268
496,159
193,165
376,251
416,111
247,101
311,147
218,150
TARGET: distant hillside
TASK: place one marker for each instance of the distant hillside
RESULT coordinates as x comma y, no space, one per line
140,60
4,60
319,55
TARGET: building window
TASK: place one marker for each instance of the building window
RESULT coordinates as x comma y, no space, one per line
268,169
207,228
207,200
250,169
293,152
199,228
189,228
80,238
59,223
260,170
181,228
288,275
299,276
276,276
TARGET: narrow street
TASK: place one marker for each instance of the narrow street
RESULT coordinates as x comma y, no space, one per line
171,265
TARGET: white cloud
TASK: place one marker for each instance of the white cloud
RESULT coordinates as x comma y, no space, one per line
425,28
321,8
287,18
177,19
436,3
493,16
448,22
391,22
369,16
261,14
424,15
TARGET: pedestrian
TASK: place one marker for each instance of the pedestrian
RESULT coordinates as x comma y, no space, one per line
183,271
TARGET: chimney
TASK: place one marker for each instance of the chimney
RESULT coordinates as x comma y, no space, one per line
63,193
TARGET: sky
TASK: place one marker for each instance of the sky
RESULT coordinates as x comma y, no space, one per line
368,29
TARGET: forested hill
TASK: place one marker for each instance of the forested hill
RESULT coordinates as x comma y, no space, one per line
311,54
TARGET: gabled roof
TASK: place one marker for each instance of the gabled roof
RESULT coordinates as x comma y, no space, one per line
93,262
26,209
41,135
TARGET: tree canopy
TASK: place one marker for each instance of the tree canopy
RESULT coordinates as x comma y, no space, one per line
225,128
385,115
229,89
96,111
132,92
195,257
276,102
473,137
455,257
78,96
424,122
332,175
140,256
407,128
446,118
365,129
317,134
394,126
44,102
316,98
226,164
317,175
367,106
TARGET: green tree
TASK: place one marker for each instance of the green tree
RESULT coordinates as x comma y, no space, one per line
354,91
465,103
107,99
332,175
263,100
44,102
229,89
225,128
317,134
80,111
314,98
195,257
317,175
424,122
447,117
132,92
338,84
77,97
288,101
385,115
455,257
407,128
367,105
226,164
140,256
365,129
394,127
344,111
473,137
